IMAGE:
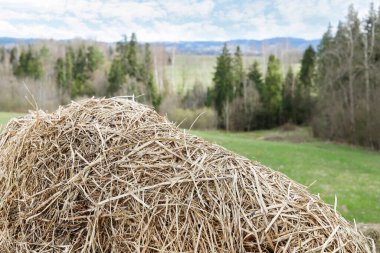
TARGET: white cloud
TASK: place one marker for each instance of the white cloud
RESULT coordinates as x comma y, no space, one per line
155,20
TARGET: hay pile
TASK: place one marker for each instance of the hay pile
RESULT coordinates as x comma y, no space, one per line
111,175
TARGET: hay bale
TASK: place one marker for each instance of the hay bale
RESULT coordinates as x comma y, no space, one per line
111,175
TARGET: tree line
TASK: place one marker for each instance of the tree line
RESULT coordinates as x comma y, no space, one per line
130,70
248,100
336,90
348,81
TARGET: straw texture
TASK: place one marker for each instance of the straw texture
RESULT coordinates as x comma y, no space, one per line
111,175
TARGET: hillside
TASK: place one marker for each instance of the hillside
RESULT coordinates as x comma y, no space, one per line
248,46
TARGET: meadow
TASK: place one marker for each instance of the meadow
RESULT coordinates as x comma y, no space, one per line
329,169
351,174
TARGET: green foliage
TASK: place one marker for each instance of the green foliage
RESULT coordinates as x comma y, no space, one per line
95,58
146,74
307,71
255,76
132,67
69,64
2,54
271,94
223,81
13,56
60,71
28,65
347,82
238,72
116,77
137,76
305,87
288,101
73,73
200,118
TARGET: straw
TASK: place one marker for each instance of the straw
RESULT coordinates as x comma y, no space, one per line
112,175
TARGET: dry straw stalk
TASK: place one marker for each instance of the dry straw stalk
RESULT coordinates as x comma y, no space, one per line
111,175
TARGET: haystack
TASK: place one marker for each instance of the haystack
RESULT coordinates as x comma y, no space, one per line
111,175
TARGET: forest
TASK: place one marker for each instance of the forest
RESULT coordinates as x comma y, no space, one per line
334,89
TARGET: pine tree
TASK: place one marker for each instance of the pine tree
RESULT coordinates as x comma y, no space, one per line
256,77
238,72
28,65
13,56
307,71
147,76
60,71
2,54
223,89
288,109
69,65
132,57
271,96
116,77
95,58
305,87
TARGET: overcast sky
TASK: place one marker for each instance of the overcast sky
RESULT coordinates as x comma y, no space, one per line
173,20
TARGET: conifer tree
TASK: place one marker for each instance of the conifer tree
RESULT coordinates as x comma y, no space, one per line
271,96
238,72
132,57
305,86
256,77
116,77
223,86
288,110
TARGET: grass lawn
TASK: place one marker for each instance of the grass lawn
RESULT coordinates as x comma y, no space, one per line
352,174
6,116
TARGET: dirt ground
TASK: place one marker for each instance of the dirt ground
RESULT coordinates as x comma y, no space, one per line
372,231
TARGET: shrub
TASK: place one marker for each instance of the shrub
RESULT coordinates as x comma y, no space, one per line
201,118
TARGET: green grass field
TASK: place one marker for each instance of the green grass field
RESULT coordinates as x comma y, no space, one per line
352,174
6,116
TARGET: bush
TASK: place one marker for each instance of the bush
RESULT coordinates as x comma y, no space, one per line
201,118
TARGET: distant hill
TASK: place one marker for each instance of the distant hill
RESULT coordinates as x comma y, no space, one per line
253,47
11,41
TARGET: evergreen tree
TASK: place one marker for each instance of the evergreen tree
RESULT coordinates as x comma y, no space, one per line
223,89
238,72
73,73
13,56
288,97
60,71
147,76
2,54
307,71
305,87
116,77
69,65
256,77
132,57
271,96
28,65
95,58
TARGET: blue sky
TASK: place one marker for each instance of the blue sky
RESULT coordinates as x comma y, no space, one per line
173,20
